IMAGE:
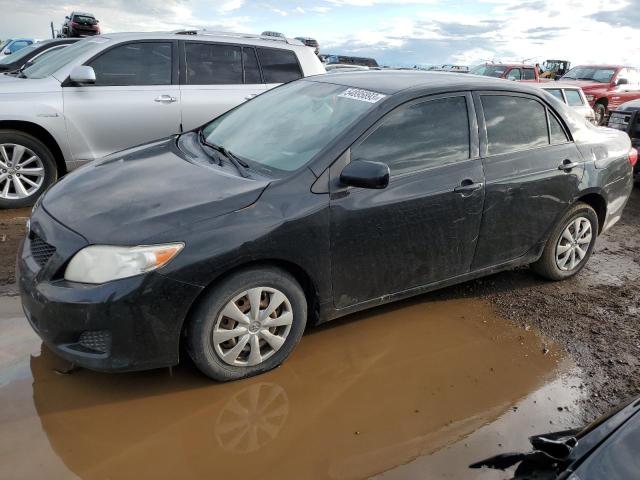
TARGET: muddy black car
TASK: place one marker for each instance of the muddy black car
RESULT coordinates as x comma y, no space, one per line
626,118
319,198
606,449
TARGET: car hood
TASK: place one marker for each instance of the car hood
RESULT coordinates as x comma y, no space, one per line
131,196
13,84
632,105
587,86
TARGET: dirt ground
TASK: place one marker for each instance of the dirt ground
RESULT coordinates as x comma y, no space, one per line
593,316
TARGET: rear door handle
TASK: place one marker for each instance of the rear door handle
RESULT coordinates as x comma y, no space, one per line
568,165
468,186
165,99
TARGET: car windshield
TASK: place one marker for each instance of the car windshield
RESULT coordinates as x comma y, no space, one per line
489,70
285,127
57,60
84,19
601,75
23,52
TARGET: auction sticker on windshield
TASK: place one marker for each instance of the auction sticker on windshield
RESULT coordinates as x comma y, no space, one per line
363,95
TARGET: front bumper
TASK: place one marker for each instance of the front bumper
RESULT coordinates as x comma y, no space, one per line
128,324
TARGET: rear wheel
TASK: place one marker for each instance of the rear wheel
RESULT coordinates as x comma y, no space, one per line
248,324
27,168
570,244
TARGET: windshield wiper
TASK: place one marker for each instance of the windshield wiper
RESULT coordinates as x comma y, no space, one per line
240,164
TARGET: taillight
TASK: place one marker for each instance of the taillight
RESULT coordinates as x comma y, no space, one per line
633,156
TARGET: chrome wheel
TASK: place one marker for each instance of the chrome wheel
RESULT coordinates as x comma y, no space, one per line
21,172
252,327
574,244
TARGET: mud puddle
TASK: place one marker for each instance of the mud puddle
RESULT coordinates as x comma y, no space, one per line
12,229
357,398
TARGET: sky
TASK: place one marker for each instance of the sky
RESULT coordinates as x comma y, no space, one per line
395,32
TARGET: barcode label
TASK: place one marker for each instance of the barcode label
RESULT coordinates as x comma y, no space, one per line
362,95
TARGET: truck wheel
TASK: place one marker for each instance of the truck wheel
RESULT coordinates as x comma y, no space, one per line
601,113
570,244
27,168
248,324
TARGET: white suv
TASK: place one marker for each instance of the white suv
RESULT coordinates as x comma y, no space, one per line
107,93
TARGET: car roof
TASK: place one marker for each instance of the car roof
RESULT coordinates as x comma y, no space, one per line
222,37
601,66
84,14
509,65
564,86
390,82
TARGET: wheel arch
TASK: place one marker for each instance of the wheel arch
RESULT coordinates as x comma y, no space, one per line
41,134
305,280
596,201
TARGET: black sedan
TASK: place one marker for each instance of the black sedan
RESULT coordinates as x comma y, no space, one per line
33,53
316,199
606,449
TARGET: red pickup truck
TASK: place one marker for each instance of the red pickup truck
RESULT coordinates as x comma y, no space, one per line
509,71
605,86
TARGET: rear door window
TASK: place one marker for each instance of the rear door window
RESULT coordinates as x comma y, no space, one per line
140,63
556,92
514,74
279,66
213,64
514,123
556,132
419,136
528,74
574,98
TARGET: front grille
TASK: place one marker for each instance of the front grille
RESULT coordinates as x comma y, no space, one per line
96,340
41,251
619,120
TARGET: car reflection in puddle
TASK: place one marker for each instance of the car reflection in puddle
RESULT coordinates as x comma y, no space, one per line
357,398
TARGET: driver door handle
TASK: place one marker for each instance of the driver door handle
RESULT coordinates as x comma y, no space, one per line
165,99
567,165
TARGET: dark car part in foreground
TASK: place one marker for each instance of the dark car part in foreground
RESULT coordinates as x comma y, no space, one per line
317,199
606,449
32,54
627,119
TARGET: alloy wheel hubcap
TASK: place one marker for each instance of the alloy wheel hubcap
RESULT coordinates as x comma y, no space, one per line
21,172
252,326
573,244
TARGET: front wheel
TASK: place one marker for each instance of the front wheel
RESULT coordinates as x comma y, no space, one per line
248,324
570,244
27,168
601,113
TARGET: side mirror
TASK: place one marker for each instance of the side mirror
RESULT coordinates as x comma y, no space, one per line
83,75
365,174
7,51
622,81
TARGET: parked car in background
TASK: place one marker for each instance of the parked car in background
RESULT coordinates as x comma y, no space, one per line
627,119
79,24
605,449
33,54
107,93
310,42
12,45
338,67
449,68
605,86
573,96
229,238
509,71
330,59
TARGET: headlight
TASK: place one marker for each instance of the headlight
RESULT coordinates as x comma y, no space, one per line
103,263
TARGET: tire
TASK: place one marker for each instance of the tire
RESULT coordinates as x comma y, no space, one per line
12,142
549,264
600,110
208,324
